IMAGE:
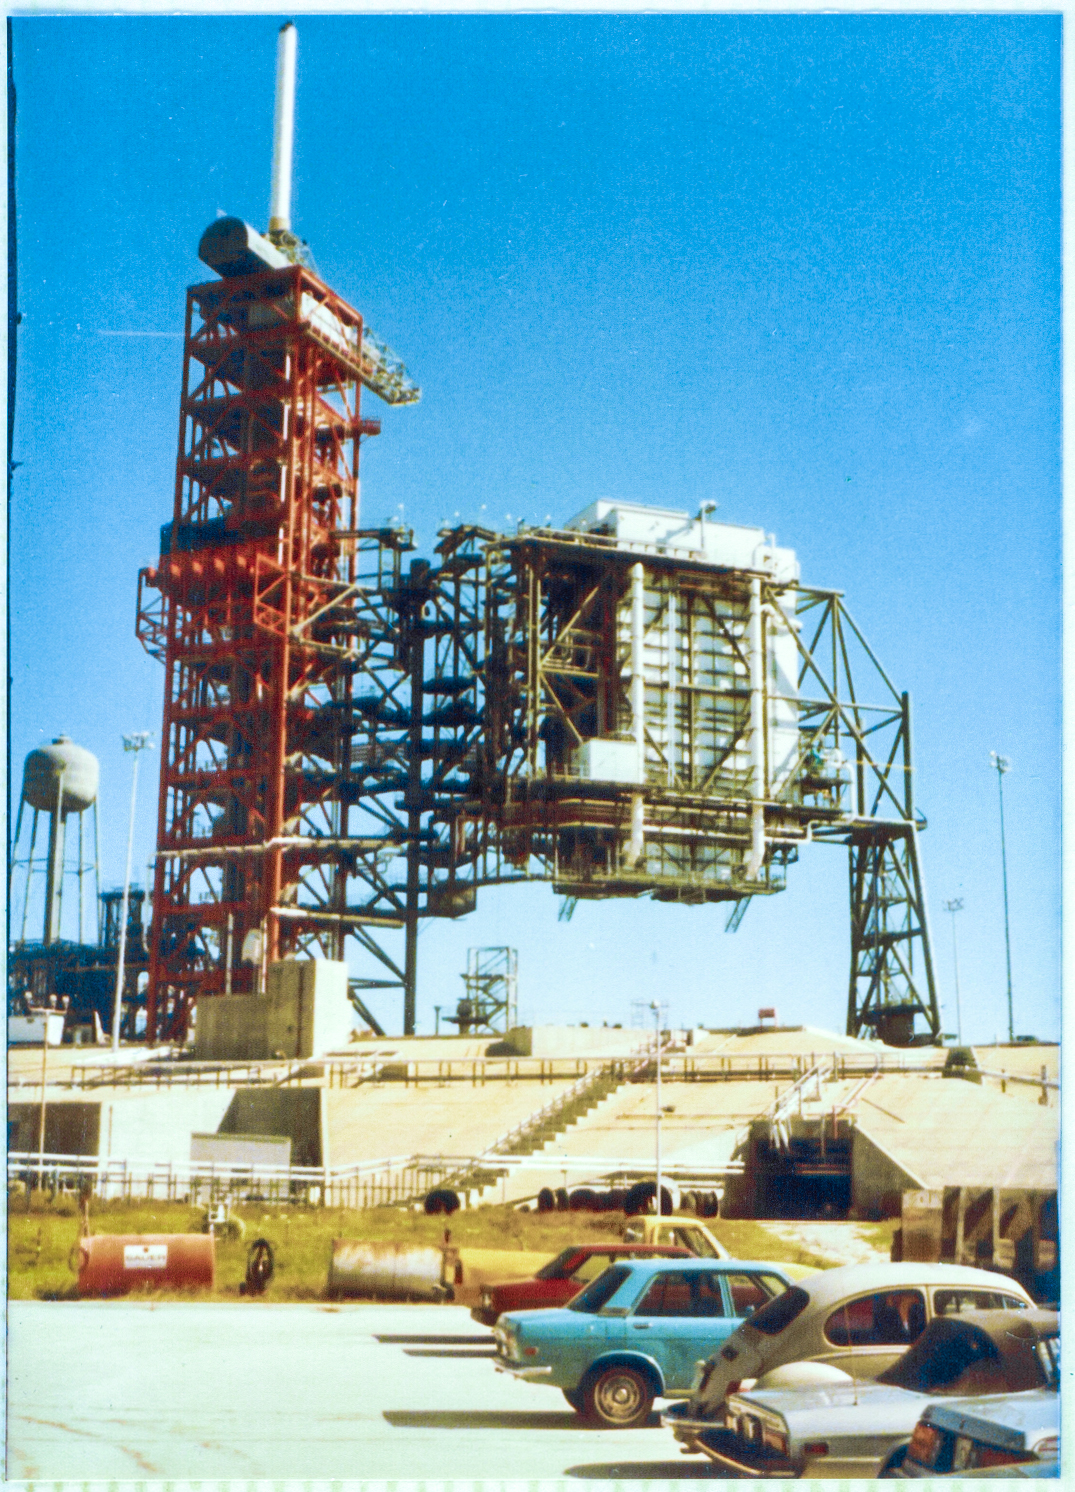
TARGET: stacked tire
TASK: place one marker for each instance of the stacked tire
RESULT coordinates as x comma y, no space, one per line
640,1199
442,1200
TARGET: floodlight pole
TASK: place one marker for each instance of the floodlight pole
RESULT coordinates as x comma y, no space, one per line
1003,764
655,1007
954,906
138,741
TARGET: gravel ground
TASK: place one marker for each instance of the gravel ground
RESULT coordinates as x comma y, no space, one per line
842,1243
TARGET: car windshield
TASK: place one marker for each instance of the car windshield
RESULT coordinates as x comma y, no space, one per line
603,1289
781,1312
556,1268
695,1240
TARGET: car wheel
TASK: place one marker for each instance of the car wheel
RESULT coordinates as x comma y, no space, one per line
618,1399
891,1468
574,1398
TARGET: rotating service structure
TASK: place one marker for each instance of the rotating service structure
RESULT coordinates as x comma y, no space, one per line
668,711
642,704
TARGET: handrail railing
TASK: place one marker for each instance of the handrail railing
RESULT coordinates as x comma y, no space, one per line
355,1071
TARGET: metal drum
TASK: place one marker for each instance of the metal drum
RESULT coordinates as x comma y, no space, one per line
117,1263
386,1271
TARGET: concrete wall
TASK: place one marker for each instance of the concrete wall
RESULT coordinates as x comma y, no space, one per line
294,1113
309,1012
231,1026
158,1126
572,1041
70,1128
877,1180
304,1012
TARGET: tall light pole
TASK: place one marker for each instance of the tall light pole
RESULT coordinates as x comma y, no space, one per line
655,1007
954,906
137,742
1003,764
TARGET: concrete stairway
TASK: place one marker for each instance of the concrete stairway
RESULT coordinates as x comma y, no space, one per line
539,1131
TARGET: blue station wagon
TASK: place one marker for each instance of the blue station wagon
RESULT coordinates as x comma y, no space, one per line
634,1334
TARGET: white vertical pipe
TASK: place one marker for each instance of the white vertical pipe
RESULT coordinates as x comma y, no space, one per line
673,684
638,708
228,953
757,734
638,682
637,842
283,134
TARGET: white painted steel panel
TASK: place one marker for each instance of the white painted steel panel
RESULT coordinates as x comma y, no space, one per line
601,760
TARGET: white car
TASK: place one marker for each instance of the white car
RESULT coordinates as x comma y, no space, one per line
838,1426
859,1318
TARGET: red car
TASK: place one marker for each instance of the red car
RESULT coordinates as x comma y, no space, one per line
563,1277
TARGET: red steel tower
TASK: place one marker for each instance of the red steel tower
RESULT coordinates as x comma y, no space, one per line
262,540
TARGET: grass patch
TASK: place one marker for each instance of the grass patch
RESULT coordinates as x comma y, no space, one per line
42,1241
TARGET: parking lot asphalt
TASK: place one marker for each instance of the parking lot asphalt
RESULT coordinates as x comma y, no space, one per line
126,1389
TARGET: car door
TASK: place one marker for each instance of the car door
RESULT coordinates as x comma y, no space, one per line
682,1316
866,1334
593,1324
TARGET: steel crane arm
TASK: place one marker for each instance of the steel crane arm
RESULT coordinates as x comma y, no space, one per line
384,374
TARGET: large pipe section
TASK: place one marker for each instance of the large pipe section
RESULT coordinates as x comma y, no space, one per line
283,135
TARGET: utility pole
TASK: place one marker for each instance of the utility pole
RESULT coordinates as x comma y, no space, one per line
1003,764
136,742
655,1007
954,906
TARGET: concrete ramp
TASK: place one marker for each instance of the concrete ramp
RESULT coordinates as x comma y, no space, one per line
946,1132
452,1118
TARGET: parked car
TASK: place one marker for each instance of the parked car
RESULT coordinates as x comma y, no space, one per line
691,1234
1018,1434
635,1333
858,1317
686,1232
563,1277
845,1428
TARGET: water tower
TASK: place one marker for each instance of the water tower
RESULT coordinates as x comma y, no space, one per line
58,780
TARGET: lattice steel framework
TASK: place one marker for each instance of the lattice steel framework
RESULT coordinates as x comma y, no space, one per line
260,653
352,744
753,704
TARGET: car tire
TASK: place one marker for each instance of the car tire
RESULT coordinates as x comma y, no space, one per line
891,1468
575,1398
617,1398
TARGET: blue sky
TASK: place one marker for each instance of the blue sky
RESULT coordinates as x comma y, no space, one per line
806,266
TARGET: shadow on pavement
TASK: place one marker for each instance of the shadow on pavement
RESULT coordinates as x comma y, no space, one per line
449,1351
626,1471
483,1419
472,1339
